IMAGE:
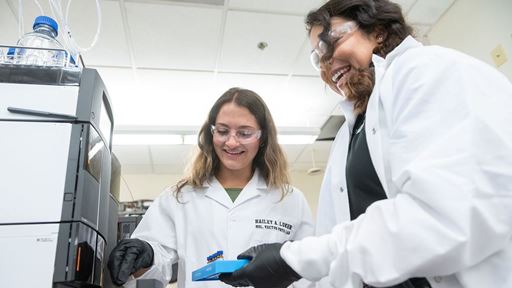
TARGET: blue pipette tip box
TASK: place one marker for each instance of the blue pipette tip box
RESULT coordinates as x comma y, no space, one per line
212,270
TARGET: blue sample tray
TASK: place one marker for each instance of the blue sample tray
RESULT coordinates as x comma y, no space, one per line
212,270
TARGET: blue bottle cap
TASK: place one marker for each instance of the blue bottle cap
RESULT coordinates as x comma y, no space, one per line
48,21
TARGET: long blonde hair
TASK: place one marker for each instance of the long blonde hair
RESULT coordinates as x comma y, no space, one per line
270,159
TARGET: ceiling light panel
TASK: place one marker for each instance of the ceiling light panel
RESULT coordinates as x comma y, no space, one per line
174,36
244,30
284,102
169,98
295,101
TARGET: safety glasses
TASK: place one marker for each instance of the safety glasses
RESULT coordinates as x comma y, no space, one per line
242,136
337,35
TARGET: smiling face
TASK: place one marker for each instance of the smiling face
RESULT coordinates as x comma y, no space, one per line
233,155
353,50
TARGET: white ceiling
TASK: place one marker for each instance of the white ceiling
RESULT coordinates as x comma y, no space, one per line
165,62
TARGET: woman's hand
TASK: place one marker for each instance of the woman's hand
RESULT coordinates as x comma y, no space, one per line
266,269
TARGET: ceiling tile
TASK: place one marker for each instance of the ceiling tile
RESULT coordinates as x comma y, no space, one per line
168,169
172,155
136,169
303,65
318,151
173,36
132,154
305,102
299,7
427,11
292,152
301,157
405,4
121,87
112,46
244,30
421,32
8,21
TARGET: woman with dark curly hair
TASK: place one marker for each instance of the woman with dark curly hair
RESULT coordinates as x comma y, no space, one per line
418,189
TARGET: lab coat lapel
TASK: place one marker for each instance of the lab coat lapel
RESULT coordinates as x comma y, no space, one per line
372,128
376,122
337,172
253,189
216,192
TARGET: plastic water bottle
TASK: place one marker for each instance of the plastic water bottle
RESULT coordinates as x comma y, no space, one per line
44,36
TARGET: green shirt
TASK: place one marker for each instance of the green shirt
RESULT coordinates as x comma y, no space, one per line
233,193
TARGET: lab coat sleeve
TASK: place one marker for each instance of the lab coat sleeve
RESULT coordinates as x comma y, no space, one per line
157,227
450,164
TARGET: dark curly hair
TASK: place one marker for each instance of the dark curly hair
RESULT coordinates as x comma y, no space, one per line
381,16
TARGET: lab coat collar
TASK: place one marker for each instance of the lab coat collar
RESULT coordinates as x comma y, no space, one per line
346,106
254,188
408,43
215,191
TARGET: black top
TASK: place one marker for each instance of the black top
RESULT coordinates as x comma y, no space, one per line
363,184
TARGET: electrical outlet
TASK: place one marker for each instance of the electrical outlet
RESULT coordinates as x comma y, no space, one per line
498,55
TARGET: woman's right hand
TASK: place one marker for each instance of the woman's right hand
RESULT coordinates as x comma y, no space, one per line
130,256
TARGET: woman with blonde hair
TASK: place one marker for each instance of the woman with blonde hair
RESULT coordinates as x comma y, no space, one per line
236,194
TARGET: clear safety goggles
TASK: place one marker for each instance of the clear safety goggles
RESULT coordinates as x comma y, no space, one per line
242,136
336,36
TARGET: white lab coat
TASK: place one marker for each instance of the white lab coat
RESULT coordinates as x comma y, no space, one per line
207,221
439,132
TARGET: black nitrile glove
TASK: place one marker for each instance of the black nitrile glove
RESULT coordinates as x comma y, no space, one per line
266,270
129,256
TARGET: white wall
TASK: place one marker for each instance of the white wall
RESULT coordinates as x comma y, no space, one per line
149,186
476,27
